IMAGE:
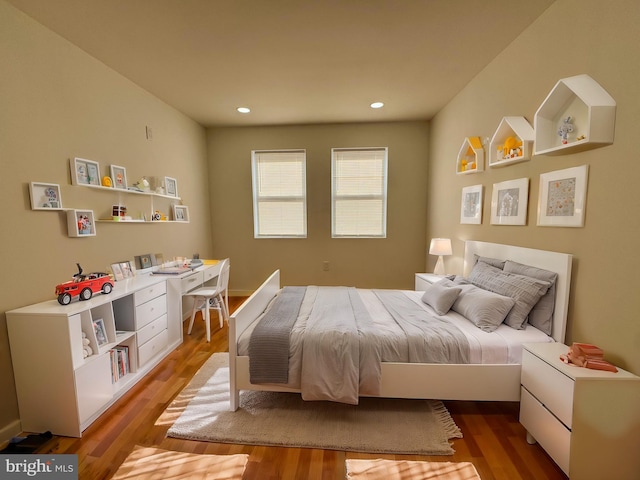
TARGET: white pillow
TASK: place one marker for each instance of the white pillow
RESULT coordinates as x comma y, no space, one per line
440,297
485,309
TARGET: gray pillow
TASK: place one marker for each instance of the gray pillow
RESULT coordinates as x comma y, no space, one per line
440,297
541,315
494,262
526,291
485,309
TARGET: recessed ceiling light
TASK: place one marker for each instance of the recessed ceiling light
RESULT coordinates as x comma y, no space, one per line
377,105
243,109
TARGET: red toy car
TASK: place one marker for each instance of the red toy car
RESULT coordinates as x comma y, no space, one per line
84,286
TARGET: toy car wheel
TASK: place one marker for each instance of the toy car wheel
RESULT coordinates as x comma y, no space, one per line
86,294
106,288
64,299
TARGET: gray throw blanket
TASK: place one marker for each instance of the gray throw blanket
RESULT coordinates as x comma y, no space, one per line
269,343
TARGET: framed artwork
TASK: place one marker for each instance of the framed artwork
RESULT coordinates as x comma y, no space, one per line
471,205
171,186
45,196
509,202
101,333
181,213
117,272
127,271
144,261
562,198
85,172
119,177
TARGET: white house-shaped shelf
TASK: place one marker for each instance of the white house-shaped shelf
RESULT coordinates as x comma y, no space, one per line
512,142
583,108
470,156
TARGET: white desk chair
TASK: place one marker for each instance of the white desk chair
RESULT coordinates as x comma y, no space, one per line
212,298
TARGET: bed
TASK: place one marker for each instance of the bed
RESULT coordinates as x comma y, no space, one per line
398,379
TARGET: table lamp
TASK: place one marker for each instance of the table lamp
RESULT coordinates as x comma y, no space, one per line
440,247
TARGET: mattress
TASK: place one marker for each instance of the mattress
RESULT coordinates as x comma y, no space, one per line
503,346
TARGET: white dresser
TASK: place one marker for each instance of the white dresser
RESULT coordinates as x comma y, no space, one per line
588,421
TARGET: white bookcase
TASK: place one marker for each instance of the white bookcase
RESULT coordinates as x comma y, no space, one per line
591,112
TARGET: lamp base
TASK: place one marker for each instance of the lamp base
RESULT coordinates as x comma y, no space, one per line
439,270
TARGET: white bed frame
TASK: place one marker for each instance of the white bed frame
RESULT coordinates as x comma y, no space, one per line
420,380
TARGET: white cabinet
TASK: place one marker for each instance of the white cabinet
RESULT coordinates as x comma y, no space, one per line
581,107
588,421
423,280
58,388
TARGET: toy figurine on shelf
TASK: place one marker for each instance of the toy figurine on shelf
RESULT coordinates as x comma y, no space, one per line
565,129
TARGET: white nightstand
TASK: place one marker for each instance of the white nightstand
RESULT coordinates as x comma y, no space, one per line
588,421
423,280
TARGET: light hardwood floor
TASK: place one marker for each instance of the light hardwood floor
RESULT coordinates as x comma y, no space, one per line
493,440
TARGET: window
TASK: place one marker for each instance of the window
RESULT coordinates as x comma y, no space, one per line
359,192
279,193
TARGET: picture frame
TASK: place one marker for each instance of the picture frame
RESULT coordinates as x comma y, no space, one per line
171,186
471,205
562,197
45,196
100,331
117,272
143,261
127,271
85,172
181,213
118,177
509,202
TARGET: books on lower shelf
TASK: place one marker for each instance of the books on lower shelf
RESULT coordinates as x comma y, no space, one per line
119,362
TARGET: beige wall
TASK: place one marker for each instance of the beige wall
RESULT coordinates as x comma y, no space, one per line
388,262
56,102
570,38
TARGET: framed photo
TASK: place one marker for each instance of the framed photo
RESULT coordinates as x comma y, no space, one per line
181,213
117,271
45,196
509,202
471,205
119,177
144,261
171,186
101,333
562,198
127,271
85,172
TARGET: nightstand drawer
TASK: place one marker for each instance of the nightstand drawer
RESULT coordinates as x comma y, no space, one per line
551,434
551,387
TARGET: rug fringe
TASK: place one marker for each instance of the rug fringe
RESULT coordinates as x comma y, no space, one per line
445,419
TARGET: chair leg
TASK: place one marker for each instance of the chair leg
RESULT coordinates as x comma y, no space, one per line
193,314
207,319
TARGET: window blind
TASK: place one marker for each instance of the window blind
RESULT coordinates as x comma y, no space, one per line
279,193
359,192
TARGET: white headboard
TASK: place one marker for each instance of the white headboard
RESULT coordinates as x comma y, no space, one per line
553,261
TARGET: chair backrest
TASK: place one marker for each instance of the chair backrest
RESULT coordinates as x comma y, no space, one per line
223,278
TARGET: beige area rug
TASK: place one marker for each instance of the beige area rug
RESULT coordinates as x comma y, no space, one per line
380,469
157,464
270,418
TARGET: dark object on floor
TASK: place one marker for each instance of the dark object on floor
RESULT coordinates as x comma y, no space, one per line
36,443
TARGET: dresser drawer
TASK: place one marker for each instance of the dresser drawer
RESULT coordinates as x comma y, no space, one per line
146,294
551,434
153,347
147,312
550,386
210,273
149,331
192,281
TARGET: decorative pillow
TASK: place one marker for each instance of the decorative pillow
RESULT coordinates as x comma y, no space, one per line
485,309
494,262
526,291
440,297
541,315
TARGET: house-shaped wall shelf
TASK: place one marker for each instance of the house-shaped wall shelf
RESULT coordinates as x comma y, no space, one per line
470,156
512,142
587,110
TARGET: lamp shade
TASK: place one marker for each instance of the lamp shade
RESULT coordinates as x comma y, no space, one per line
440,246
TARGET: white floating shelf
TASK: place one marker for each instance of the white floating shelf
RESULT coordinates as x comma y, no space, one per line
592,114
470,156
512,142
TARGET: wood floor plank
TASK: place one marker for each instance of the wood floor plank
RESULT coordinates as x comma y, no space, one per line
493,439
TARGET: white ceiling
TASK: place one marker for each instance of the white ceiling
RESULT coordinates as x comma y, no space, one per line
293,61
